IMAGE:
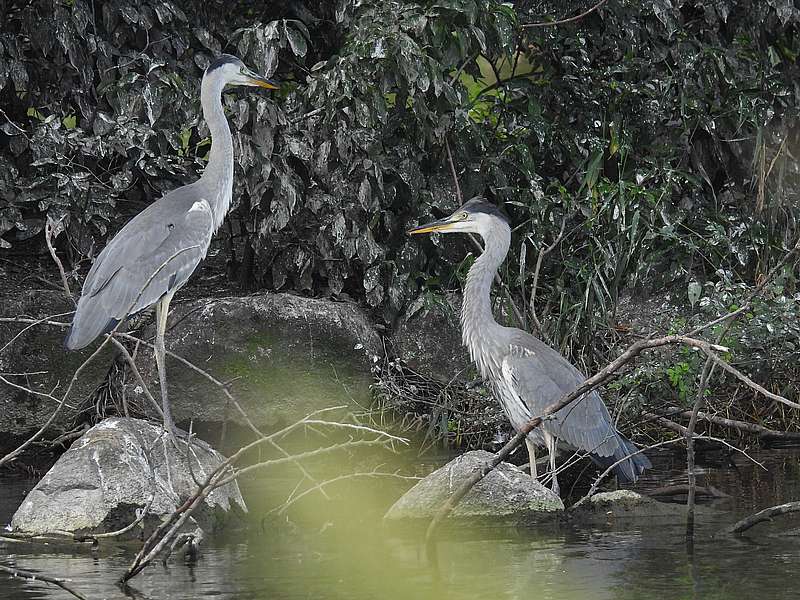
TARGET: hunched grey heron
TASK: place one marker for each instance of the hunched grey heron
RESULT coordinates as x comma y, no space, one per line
158,250
526,374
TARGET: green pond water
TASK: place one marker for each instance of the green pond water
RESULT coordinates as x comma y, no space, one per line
338,548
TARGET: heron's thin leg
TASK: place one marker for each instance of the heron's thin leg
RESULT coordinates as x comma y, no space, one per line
162,310
550,441
531,456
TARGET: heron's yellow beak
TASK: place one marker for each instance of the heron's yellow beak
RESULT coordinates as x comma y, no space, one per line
262,82
440,225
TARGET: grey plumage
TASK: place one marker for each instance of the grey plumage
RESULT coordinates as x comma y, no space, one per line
526,374
158,250
178,221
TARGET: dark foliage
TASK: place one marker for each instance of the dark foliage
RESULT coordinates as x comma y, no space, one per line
661,133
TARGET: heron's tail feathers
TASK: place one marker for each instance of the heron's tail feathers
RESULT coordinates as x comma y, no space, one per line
629,470
90,320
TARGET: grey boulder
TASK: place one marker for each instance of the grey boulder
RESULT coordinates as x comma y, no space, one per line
287,356
119,467
506,495
624,505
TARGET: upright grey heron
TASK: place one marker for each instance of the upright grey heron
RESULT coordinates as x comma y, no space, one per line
159,249
526,374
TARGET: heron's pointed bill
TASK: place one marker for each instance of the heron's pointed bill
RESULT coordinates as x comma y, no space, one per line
262,82
434,226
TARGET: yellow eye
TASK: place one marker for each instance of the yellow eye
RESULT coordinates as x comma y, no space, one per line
463,216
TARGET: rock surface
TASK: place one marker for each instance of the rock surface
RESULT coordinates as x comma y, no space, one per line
624,504
289,355
113,470
505,495
429,341
38,353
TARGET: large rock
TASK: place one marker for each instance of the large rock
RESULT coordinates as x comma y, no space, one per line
624,505
429,341
113,470
288,356
506,495
40,361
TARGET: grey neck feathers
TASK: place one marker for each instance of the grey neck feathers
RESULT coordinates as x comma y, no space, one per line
217,179
480,333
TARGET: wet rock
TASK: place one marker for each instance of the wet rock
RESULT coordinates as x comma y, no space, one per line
115,469
506,495
608,507
429,341
287,356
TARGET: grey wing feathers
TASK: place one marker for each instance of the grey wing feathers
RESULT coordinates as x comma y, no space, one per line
541,376
540,382
175,231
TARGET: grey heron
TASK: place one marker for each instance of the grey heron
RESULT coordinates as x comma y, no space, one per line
158,250
526,374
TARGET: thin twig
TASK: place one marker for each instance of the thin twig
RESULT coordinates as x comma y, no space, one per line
568,20
542,253
16,452
49,228
30,575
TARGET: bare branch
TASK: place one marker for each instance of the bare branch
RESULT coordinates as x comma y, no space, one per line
542,253
62,583
568,20
762,516
49,227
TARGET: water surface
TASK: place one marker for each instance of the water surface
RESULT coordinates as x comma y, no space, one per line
337,548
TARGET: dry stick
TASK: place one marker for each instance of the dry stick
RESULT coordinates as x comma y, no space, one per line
763,515
608,471
167,530
33,392
517,314
708,370
216,479
14,453
62,583
294,498
590,384
750,383
230,399
139,379
569,20
762,432
48,238
32,323
542,253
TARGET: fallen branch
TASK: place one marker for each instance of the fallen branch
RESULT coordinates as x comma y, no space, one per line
30,575
762,432
762,516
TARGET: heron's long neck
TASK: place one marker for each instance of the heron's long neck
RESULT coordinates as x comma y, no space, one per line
218,176
480,333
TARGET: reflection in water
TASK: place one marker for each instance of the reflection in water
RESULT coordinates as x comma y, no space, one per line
339,549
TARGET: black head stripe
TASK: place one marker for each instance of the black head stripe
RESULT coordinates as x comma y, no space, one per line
477,205
223,59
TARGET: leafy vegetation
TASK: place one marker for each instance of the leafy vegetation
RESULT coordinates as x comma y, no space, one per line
659,133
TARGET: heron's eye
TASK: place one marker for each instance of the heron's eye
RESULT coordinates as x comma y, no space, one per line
463,216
